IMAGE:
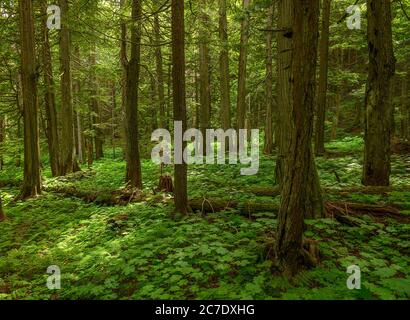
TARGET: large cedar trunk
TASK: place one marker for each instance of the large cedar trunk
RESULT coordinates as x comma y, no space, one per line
32,179
243,54
284,125
224,68
378,119
49,98
268,148
133,174
67,136
299,20
322,89
179,98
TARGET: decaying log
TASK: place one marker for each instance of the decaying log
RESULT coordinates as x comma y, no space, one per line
274,192
246,208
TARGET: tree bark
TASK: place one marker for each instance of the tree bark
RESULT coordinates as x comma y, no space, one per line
2,138
403,110
159,70
322,89
243,53
269,145
95,107
378,126
78,132
2,214
178,78
133,174
204,74
29,76
224,68
49,98
67,136
300,190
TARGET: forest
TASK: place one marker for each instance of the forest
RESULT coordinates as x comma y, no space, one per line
204,150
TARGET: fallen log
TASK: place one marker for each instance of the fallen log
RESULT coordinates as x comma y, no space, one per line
244,208
105,198
344,212
275,191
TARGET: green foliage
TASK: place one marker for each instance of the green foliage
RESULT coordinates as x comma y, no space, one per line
142,251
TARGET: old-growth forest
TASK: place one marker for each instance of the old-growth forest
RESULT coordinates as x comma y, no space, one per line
312,201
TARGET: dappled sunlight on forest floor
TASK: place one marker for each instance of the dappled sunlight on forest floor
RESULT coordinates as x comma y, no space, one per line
144,251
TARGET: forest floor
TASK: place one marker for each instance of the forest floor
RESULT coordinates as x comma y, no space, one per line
141,250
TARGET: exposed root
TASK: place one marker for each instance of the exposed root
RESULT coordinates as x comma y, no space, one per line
346,212
400,147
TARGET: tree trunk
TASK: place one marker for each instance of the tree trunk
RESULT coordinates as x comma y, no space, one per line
268,148
204,75
32,179
49,98
78,132
133,174
178,77
335,125
243,53
403,110
2,214
300,190
160,74
67,137
322,89
224,67
95,107
378,127
2,138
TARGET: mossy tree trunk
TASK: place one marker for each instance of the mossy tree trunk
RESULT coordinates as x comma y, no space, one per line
224,67
133,173
67,125
179,99
300,190
204,73
268,147
378,120
322,88
243,55
49,97
2,214
29,76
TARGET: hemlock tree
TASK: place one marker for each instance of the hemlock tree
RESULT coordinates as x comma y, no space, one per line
225,108
268,148
2,214
243,54
29,76
132,77
300,194
49,97
179,99
322,88
204,74
67,129
159,68
379,108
